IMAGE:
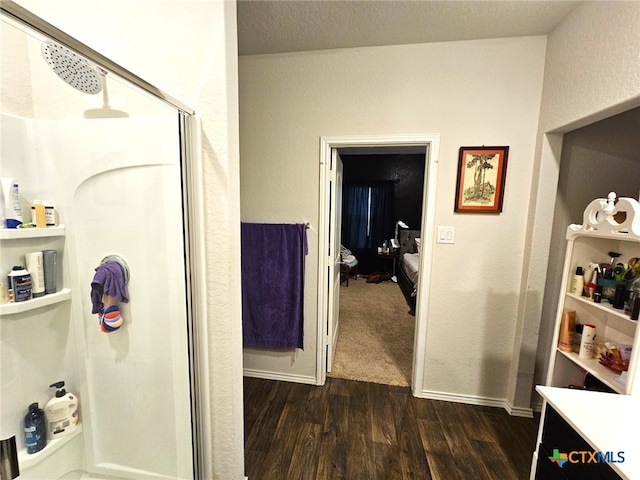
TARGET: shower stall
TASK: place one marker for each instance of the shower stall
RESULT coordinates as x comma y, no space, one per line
109,152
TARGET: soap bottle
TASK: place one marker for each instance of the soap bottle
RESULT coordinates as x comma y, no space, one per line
35,431
61,412
577,285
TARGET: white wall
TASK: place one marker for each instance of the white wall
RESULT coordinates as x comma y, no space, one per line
591,72
189,49
472,93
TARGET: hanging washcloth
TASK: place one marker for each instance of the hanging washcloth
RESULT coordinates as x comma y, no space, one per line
272,269
108,280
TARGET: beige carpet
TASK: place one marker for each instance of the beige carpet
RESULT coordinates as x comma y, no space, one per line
375,334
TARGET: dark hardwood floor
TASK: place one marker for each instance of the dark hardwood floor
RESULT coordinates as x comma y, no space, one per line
356,430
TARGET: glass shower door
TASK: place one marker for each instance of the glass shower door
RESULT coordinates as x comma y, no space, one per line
111,166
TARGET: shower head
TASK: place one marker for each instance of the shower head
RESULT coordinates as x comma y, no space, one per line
72,68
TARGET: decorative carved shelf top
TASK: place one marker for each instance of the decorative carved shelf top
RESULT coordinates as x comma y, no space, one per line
608,218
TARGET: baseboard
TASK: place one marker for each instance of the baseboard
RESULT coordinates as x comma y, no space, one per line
283,377
474,400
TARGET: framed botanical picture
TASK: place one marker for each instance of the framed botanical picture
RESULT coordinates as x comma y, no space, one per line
481,176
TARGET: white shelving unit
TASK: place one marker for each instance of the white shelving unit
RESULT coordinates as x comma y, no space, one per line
604,229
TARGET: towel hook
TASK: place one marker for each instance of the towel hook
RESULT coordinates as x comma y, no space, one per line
120,261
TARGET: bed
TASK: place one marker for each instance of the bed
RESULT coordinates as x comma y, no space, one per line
407,267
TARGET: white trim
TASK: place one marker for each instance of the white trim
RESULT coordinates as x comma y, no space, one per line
282,377
431,142
475,400
195,213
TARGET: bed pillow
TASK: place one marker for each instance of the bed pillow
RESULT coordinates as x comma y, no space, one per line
417,242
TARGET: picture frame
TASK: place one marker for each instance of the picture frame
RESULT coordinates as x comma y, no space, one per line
481,178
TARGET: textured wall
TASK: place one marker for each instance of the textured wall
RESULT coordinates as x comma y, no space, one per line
592,71
472,93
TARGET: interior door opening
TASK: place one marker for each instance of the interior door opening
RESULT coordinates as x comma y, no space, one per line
382,206
329,301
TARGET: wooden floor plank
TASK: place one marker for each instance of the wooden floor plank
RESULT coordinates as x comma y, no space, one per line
355,430
303,459
440,458
413,459
383,429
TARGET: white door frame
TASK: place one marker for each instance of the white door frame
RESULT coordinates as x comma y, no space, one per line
431,142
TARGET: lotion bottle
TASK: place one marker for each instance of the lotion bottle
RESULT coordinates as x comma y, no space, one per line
61,412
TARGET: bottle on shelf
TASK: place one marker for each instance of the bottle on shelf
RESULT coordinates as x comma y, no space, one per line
35,431
61,412
20,284
577,285
38,215
567,331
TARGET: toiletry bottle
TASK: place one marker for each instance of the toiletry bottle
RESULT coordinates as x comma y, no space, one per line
567,331
620,296
50,263
577,285
597,296
49,213
36,269
12,207
38,218
35,430
588,342
20,284
61,412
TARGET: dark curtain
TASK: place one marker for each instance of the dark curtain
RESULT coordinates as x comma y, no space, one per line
382,226
367,204
354,216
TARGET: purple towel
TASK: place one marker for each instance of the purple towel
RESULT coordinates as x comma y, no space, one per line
273,284
108,280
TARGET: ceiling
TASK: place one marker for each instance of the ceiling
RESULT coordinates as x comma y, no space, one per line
266,26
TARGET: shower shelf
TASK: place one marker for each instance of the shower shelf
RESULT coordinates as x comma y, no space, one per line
51,299
22,233
26,460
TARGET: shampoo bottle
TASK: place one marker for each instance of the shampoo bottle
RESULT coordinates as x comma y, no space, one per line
61,412
35,431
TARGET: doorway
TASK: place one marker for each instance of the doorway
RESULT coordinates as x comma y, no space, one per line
382,202
328,319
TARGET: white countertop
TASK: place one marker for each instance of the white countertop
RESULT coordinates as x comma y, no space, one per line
607,421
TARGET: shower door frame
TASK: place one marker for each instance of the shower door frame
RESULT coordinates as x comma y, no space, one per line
193,217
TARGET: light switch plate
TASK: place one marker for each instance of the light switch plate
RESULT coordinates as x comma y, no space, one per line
446,234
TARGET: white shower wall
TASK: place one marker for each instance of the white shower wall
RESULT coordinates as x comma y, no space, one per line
117,187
